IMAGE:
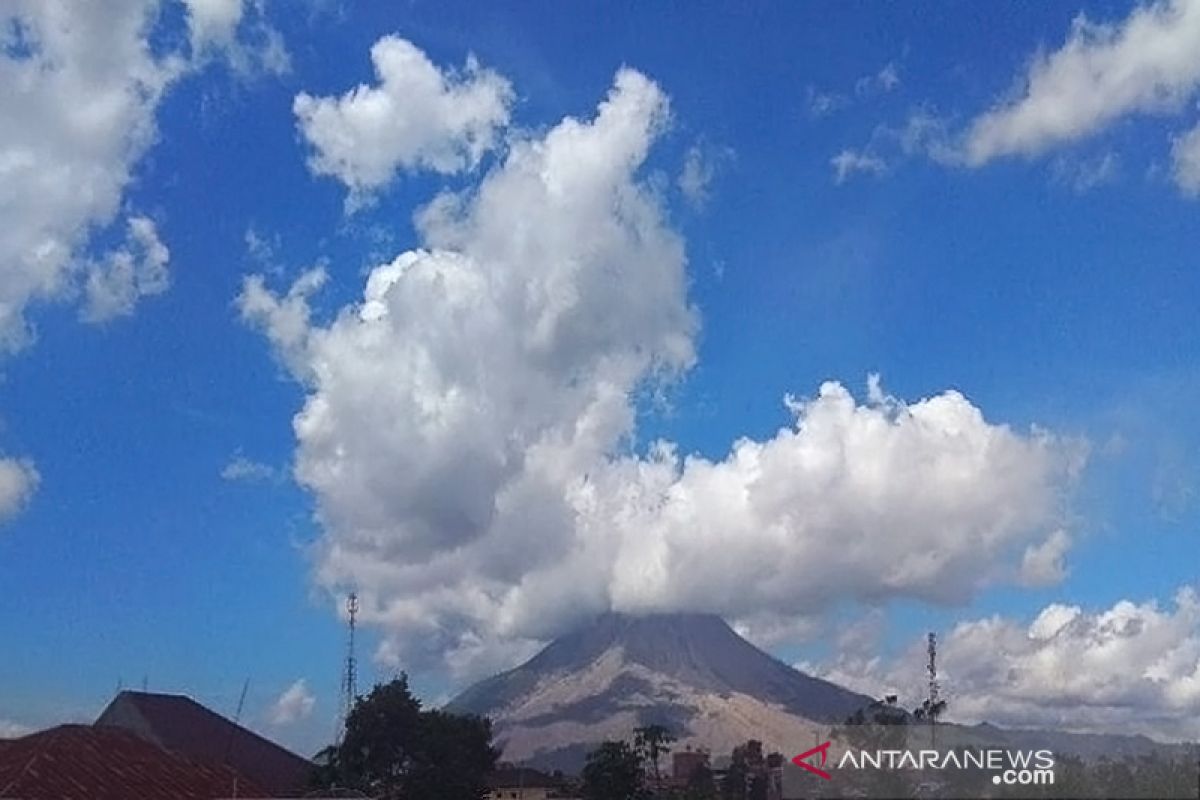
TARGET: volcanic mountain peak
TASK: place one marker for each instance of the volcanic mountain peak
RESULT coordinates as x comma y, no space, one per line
670,641
691,672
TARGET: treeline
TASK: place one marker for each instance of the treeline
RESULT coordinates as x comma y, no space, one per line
393,748
632,770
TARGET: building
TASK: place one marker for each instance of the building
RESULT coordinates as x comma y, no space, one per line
83,762
182,726
686,763
521,783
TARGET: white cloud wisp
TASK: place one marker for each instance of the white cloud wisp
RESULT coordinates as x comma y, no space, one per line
417,117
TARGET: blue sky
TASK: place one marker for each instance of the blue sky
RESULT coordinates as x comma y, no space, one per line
1052,285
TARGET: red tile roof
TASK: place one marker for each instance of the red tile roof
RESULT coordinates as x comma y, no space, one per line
81,762
185,727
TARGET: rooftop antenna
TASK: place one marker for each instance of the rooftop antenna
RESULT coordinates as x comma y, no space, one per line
350,676
237,717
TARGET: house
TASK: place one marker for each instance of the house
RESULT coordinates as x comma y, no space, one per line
182,726
82,762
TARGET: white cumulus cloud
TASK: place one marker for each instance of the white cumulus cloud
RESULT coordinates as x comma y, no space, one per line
77,102
1145,64
1133,667
418,116
468,426
1148,63
296,703
80,84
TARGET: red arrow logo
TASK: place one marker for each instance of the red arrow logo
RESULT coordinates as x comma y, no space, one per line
823,749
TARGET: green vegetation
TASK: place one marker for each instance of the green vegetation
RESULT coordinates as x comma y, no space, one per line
614,771
395,749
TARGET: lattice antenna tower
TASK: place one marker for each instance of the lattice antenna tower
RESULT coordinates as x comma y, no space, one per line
350,675
934,688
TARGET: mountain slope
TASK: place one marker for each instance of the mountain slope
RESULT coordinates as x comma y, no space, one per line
690,672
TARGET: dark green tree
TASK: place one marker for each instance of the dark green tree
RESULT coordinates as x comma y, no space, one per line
614,771
881,725
392,748
929,711
453,757
376,751
736,782
653,742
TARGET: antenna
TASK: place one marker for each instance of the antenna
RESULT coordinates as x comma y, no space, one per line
241,702
237,716
933,708
350,677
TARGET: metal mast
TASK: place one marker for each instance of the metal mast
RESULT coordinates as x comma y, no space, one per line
933,707
350,677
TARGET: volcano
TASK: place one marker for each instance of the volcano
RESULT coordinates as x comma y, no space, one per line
689,672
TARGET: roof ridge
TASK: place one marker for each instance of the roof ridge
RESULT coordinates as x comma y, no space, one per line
144,693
